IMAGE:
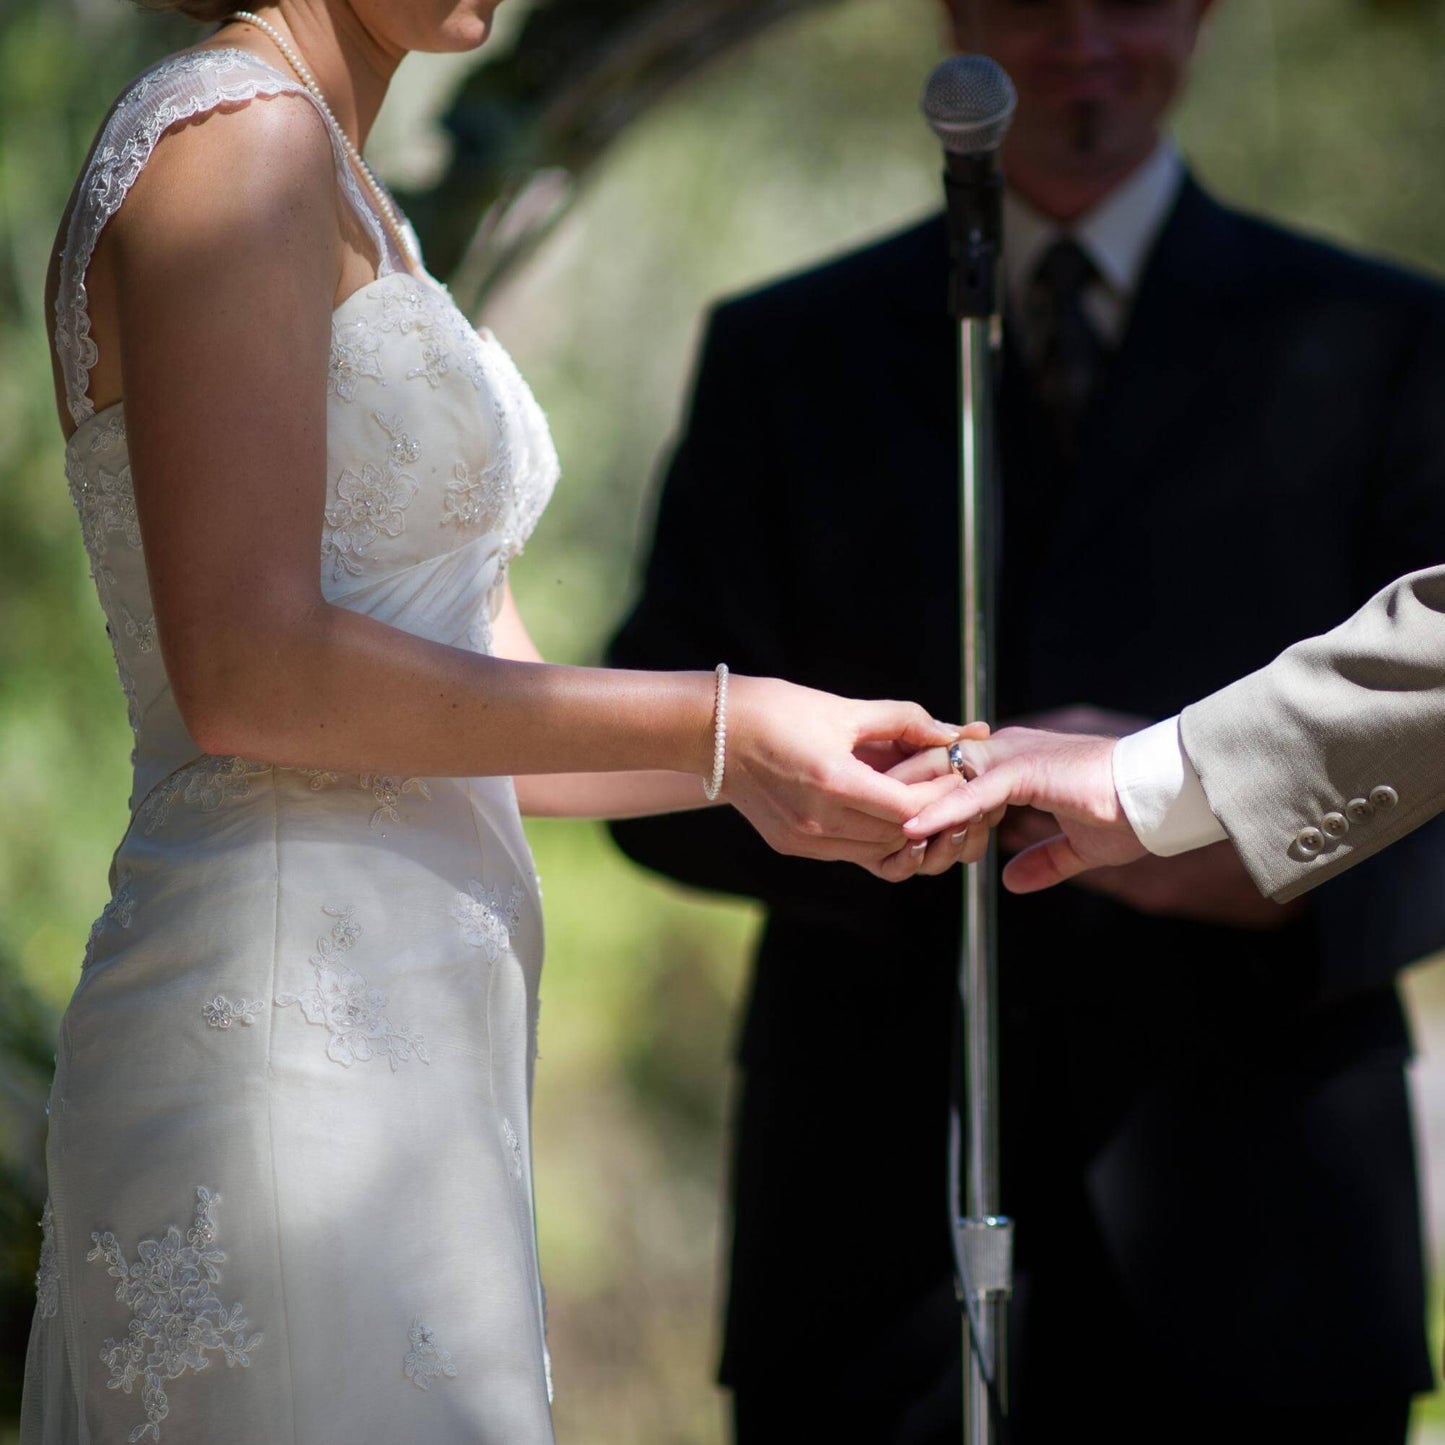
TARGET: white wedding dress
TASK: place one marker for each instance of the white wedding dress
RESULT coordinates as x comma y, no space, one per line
289,1154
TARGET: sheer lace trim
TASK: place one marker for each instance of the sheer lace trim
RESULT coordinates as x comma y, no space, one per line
47,1277
192,84
117,913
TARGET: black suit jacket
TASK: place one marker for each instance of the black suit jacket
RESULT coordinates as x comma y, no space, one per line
1206,1128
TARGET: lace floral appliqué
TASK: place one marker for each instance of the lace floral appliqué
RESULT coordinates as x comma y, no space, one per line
369,504
348,1008
485,921
142,631
47,1277
436,361
406,309
222,1012
178,1321
514,1147
206,785
354,358
404,449
425,1359
478,499
387,791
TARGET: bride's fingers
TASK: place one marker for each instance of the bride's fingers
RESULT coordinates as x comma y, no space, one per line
906,722
859,787
954,810
932,856
853,826
962,845
987,794
902,864
944,851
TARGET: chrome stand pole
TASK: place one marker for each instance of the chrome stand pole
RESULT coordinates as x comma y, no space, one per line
983,1238
968,103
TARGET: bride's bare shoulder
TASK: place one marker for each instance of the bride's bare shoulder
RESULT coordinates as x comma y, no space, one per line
236,181
242,164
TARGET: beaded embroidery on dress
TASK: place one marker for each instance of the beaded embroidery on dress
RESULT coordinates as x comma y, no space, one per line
313,995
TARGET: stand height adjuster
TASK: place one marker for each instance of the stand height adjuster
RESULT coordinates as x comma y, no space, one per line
986,1256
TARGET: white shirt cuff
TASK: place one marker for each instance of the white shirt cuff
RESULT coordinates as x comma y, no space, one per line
1161,793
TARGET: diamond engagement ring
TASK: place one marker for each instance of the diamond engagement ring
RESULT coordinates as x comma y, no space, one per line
957,762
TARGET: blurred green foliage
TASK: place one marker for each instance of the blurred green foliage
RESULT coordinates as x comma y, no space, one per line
794,145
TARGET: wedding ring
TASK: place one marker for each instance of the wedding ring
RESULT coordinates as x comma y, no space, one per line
958,763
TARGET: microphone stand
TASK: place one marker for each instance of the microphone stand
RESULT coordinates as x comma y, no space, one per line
983,1238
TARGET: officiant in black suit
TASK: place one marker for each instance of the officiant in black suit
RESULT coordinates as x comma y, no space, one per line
1217,436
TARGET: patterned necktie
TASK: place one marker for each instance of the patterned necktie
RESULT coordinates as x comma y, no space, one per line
1069,354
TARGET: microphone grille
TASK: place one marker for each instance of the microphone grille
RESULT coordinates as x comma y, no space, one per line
968,102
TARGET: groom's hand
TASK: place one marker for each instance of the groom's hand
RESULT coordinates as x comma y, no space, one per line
1068,776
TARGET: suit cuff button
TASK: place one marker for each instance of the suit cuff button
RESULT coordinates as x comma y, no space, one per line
1336,825
1359,810
1309,841
1384,796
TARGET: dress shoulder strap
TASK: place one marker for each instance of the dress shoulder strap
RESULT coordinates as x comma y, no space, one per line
177,90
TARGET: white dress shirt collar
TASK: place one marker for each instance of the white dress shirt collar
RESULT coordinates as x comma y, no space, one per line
1117,235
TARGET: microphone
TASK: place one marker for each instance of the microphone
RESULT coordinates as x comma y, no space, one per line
968,102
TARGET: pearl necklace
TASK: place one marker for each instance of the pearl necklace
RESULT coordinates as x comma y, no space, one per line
384,203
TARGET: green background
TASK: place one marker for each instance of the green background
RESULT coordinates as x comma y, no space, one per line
1322,112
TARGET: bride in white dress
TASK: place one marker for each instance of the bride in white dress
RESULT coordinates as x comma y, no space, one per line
289,1153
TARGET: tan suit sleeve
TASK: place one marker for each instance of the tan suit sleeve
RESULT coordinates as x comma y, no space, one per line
1337,748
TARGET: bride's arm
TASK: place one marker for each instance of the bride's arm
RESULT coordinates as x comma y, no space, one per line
226,258
632,794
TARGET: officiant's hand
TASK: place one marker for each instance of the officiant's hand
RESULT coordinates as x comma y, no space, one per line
1208,885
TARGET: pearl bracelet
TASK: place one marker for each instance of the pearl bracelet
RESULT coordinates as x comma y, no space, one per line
712,786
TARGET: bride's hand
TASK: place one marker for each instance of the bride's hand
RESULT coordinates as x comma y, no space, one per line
962,839
795,772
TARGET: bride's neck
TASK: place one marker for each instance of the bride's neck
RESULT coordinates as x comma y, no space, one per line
352,65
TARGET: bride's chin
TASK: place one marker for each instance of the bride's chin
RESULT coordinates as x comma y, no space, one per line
462,33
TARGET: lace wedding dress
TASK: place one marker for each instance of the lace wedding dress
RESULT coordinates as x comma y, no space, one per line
289,1158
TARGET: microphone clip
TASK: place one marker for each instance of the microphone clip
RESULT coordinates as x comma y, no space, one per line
974,191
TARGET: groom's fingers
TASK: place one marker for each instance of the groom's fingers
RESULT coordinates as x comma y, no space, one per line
922,766
1042,866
